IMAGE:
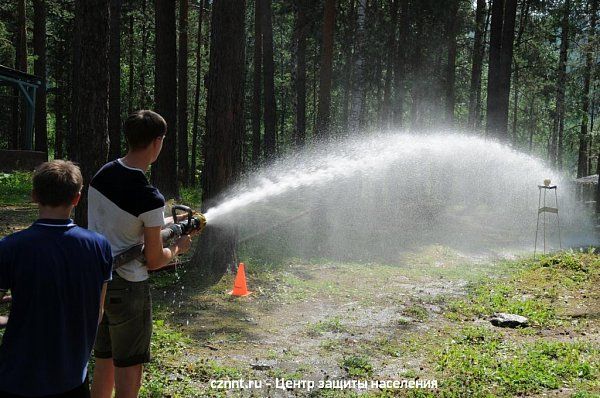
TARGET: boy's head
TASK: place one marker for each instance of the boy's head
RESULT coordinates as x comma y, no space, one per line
145,129
57,184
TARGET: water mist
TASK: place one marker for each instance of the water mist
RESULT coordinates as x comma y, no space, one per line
372,198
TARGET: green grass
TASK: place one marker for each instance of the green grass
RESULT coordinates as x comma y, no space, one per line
415,311
172,374
333,325
15,188
478,362
484,361
357,367
532,291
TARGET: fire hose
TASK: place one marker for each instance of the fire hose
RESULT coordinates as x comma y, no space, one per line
195,222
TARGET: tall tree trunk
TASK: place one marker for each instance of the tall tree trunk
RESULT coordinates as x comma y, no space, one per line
559,114
196,125
400,65
451,32
39,69
61,66
131,63
20,64
164,170
301,32
348,72
389,69
358,82
257,83
418,90
515,105
114,97
182,106
324,111
14,120
477,64
508,35
585,100
60,126
494,123
224,129
501,52
270,108
531,124
145,38
90,91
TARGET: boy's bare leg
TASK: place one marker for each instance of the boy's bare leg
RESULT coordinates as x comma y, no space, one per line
104,378
128,381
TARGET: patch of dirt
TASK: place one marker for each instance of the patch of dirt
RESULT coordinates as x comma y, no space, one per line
313,316
16,218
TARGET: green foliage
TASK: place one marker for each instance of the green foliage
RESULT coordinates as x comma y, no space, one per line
191,196
333,325
478,362
544,279
15,188
170,374
357,367
415,311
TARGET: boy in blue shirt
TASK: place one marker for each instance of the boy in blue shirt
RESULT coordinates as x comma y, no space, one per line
57,274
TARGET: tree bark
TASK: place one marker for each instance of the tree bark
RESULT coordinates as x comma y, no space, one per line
196,125
145,37
270,108
400,65
348,72
582,162
418,90
559,114
20,64
182,106
39,69
257,84
164,170
389,71
477,64
90,92
324,111
301,33
114,97
358,83
224,130
501,52
515,105
452,27
131,74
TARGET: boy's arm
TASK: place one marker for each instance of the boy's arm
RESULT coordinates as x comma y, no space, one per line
157,256
102,296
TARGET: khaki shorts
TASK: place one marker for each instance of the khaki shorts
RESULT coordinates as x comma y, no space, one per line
126,328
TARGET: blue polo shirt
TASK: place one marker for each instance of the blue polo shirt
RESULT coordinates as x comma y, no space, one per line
55,271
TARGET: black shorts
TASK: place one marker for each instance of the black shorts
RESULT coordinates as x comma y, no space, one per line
83,391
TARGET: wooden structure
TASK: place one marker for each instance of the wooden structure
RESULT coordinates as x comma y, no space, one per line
27,85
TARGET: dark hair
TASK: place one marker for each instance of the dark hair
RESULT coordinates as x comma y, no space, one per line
56,183
142,127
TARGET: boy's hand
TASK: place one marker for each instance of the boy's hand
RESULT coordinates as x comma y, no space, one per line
183,244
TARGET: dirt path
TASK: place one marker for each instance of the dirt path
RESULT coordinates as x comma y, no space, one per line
311,321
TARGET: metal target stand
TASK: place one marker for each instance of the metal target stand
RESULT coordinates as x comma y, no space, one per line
543,209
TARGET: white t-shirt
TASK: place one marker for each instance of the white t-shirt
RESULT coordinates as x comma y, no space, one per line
121,202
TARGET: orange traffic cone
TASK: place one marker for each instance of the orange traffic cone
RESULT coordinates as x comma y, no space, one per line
239,285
